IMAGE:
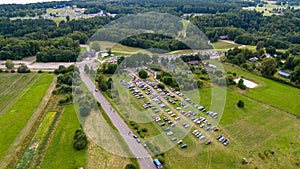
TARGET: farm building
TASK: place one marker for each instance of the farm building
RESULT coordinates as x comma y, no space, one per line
254,59
284,73
194,62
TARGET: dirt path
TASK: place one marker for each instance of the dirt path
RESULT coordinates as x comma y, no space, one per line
16,145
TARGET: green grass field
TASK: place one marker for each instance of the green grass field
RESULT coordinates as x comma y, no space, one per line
119,48
60,153
17,116
221,45
13,86
260,132
255,129
274,93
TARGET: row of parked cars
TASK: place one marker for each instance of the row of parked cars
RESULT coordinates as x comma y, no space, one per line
223,140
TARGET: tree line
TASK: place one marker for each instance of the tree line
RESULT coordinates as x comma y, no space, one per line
250,27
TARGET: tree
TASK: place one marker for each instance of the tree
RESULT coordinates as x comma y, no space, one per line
102,84
161,86
130,166
120,60
80,140
143,74
68,18
241,84
86,69
23,69
85,109
295,76
268,66
109,51
96,46
9,64
271,50
260,45
240,104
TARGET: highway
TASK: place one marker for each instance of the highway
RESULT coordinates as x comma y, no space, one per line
144,159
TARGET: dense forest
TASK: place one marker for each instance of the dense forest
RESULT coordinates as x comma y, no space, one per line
45,39
39,37
250,27
176,7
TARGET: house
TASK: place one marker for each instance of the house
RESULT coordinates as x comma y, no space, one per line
194,62
284,73
224,37
254,59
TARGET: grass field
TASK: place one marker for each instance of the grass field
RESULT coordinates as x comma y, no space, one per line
253,130
60,153
13,86
267,9
274,93
119,48
17,116
260,132
221,45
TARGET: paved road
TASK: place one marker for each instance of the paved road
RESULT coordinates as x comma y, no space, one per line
144,159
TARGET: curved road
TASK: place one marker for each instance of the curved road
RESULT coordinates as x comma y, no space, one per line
144,159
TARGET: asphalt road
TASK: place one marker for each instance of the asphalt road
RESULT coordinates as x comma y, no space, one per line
144,159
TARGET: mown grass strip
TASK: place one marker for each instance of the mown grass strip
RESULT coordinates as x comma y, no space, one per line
60,153
14,120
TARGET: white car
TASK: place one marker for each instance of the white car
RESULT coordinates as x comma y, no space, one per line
169,133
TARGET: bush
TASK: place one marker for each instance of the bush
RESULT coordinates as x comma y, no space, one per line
130,166
80,140
143,74
240,104
161,86
23,69
85,110
145,130
13,71
40,71
161,159
1,70
241,84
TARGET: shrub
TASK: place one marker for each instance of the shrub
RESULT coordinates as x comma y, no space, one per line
144,130
23,69
85,110
143,74
80,140
12,71
161,86
130,166
241,84
40,71
161,159
240,104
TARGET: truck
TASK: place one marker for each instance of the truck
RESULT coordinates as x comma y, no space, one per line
157,164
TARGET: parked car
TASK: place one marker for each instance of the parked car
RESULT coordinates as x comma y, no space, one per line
183,146
174,139
208,142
